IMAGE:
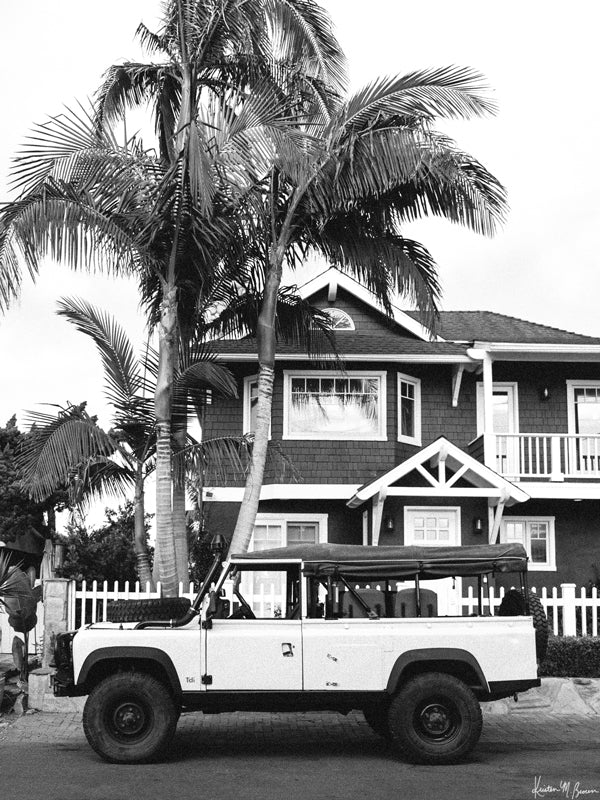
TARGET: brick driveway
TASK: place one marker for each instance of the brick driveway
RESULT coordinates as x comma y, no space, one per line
328,730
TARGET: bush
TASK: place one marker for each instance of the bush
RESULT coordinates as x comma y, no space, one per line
572,657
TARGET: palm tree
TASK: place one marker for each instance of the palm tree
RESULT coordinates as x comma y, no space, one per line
371,165
167,216
70,449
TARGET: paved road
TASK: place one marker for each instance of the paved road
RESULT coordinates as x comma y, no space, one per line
303,757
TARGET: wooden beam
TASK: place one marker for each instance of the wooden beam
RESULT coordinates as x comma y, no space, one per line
378,502
457,376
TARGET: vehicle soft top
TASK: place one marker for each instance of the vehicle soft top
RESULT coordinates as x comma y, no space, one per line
358,562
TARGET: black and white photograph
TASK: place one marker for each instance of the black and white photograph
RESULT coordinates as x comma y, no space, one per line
300,405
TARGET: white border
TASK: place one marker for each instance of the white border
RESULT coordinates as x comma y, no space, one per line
550,565
427,510
571,386
322,521
288,374
416,382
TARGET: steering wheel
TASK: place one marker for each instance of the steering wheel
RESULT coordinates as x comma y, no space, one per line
243,612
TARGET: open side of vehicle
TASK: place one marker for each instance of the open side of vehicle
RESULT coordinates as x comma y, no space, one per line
315,627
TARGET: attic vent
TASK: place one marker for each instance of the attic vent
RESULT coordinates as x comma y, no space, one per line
340,320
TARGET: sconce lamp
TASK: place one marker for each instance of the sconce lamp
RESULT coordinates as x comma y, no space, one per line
544,394
478,525
58,555
388,524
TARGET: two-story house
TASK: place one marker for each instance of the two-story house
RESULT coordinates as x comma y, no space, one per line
488,431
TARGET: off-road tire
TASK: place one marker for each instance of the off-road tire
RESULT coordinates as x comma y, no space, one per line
161,608
435,719
513,605
129,718
377,719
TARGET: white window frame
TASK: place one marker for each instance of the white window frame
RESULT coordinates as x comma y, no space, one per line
247,426
550,564
284,519
342,315
287,399
416,383
571,386
512,388
425,510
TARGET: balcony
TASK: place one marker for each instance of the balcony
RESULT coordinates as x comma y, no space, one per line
539,456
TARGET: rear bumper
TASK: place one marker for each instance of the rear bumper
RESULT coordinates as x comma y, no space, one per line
500,689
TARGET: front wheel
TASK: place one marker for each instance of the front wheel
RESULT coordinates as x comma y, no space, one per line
129,717
435,719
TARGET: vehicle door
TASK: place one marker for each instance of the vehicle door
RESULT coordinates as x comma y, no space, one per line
258,645
343,641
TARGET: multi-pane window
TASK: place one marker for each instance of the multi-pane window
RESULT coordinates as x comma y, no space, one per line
409,409
340,320
326,405
265,589
536,534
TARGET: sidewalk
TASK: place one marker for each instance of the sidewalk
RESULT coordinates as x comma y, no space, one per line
524,731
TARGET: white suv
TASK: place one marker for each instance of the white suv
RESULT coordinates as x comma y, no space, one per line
313,627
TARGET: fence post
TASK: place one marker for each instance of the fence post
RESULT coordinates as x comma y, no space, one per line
568,604
55,614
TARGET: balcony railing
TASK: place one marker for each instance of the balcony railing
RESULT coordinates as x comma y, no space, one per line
530,456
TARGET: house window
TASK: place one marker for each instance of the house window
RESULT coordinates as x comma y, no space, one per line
282,530
251,404
409,409
536,534
265,590
330,405
340,320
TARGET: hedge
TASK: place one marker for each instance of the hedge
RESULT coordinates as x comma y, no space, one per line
572,657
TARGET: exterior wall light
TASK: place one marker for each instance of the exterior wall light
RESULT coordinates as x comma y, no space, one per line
478,526
388,524
544,394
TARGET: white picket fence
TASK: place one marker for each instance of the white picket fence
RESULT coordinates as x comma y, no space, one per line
570,612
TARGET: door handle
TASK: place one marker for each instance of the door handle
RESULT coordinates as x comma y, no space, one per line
287,649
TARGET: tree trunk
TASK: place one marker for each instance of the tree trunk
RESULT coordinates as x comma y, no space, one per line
167,567
266,373
179,516
139,540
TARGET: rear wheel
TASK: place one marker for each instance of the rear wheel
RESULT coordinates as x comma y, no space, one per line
435,719
129,718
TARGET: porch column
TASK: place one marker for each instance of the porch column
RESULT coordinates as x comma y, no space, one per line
378,502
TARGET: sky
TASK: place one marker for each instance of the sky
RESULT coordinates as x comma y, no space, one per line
540,60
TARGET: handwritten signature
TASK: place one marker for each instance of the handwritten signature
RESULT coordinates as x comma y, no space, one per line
569,789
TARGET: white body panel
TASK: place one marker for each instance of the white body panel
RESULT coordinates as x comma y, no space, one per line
353,654
254,655
181,645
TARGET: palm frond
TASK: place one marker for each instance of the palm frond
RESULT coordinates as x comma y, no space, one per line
57,446
447,92
121,367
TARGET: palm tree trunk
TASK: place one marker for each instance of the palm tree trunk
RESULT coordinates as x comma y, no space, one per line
167,565
266,374
139,539
179,516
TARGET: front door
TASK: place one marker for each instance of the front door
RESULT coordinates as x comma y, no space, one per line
430,527
505,416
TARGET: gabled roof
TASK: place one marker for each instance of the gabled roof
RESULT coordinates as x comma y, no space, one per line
442,469
332,279
489,326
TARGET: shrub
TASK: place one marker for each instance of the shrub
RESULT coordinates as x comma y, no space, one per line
572,657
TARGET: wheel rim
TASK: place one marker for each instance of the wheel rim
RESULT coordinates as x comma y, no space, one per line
436,721
129,720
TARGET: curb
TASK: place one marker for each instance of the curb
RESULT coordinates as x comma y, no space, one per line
579,696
